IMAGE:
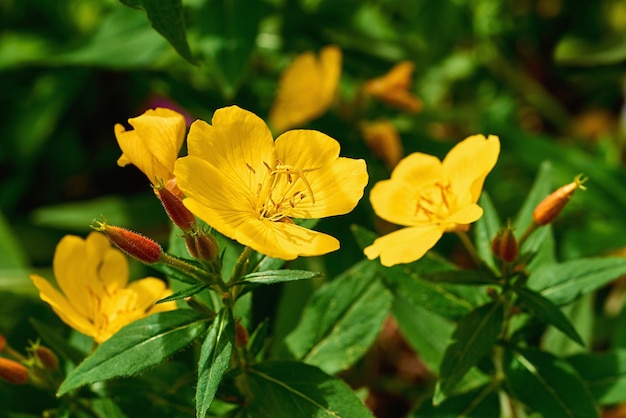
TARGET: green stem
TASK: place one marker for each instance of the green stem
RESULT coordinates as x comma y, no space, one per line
531,228
189,269
469,247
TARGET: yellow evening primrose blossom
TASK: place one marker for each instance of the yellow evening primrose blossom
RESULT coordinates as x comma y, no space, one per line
393,88
306,89
154,143
431,197
95,297
249,187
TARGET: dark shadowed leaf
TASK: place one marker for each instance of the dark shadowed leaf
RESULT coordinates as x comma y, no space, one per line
604,374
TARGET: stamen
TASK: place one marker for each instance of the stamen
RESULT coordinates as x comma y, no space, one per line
251,168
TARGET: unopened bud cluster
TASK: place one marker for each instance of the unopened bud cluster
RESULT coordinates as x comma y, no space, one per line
504,245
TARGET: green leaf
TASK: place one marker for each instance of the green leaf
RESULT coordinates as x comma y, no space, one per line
184,293
461,277
542,187
137,346
12,255
214,359
563,283
167,18
474,336
485,229
482,402
425,331
580,313
363,236
277,276
547,311
298,390
230,29
341,320
547,384
604,374
573,51
450,301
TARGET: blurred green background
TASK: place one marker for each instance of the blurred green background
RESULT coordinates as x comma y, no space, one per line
547,76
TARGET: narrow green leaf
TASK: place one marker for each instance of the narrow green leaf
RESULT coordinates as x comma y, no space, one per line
298,390
547,384
167,18
481,402
474,336
137,346
341,320
542,187
257,338
214,359
563,283
228,38
581,313
363,236
184,293
486,229
277,276
547,311
604,374
467,277
448,300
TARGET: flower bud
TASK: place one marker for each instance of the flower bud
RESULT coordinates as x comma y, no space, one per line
136,245
550,207
241,335
175,209
202,246
3,343
46,357
504,245
13,372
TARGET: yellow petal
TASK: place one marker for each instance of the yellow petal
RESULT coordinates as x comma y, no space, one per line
154,143
383,139
469,162
73,275
405,245
62,307
213,195
284,240
395,200
466,215
306,89
336,183
149,290
237,137
106,265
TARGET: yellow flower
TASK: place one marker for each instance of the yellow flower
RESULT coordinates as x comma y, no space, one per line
383,139
306,89
96,298
431,197
153,144
393,88
248,187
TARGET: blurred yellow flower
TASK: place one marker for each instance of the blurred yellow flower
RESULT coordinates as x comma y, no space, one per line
306,89
96,298
154,143
248,187
383,139
393,88
431,197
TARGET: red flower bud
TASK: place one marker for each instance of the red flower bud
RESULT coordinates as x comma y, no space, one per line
136,245
175,209
3,343
504,245
241,335
13,372
46,357
202,245
550,207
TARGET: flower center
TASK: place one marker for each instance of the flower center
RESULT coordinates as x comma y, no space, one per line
282,188
435,202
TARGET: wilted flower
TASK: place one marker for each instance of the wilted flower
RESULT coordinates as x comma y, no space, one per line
249,188
153,144
95,297
383,139
393,88
306,89
431,197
